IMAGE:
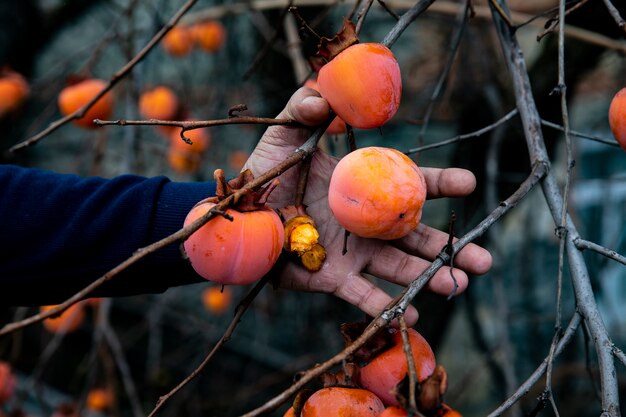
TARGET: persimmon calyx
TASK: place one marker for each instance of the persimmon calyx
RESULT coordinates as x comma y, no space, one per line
250,200
302,238
328,48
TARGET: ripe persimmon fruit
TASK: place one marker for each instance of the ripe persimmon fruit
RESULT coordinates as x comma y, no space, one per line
75,96
159,102
362,84
183,162
7,382
342,401
388,368
393,411
217,299
178,41
337,126
617,117
238,251
377,192
69,320
237,159
14,90
200,140
99,399
209,35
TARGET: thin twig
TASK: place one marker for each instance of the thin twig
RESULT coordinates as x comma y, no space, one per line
362,15
615,14
582,244
406,346
464,136
581,135
197,124
405,20
112,82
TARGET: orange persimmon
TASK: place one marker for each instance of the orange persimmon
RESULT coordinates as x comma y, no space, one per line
75,96
234,252
14,90
159,102
200,138
394,411
362,85
342,401
99,399
617,117
377,192
7,382
217,299
388,368
209,35
69,320
178,41
237,159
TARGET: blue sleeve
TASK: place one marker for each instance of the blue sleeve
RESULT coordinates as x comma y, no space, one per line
60,232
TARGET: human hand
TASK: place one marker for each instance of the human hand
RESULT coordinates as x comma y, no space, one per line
399,261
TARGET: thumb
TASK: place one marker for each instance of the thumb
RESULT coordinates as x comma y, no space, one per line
307,107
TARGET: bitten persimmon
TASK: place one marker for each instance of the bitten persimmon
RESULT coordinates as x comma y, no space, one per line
362,84
14,90
387,369
337,126
75,96
158,103
617,117
234,252
178,41
7,382
377,192
217,299
342,401
209,35
70,320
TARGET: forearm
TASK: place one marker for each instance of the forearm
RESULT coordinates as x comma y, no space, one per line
60,232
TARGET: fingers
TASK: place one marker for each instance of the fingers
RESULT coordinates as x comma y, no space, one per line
427,243
399,267
372,300
307,107
449,182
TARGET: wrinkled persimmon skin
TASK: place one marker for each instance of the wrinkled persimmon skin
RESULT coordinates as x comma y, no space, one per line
617,117
236,252
362,85
342,402
387,369
377,192
75,96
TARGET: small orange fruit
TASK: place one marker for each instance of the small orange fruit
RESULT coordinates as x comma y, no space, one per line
99,399
362,85
7,382
217,299
209,35
77,95
617,117
159,103
183,162
200,138
13,92
69,321
178,41
344,402
377,192
237,159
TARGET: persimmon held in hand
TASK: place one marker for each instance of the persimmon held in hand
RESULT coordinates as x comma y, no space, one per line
240,251
69,320
178,41
362,84
377,192
337,126
217,299
7,382
158,103
617,117
342,401
386,370
75,96
13,91
209,35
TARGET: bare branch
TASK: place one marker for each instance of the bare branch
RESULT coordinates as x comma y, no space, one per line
615,14
611,254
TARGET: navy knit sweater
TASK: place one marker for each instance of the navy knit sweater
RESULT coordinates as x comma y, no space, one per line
60,232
